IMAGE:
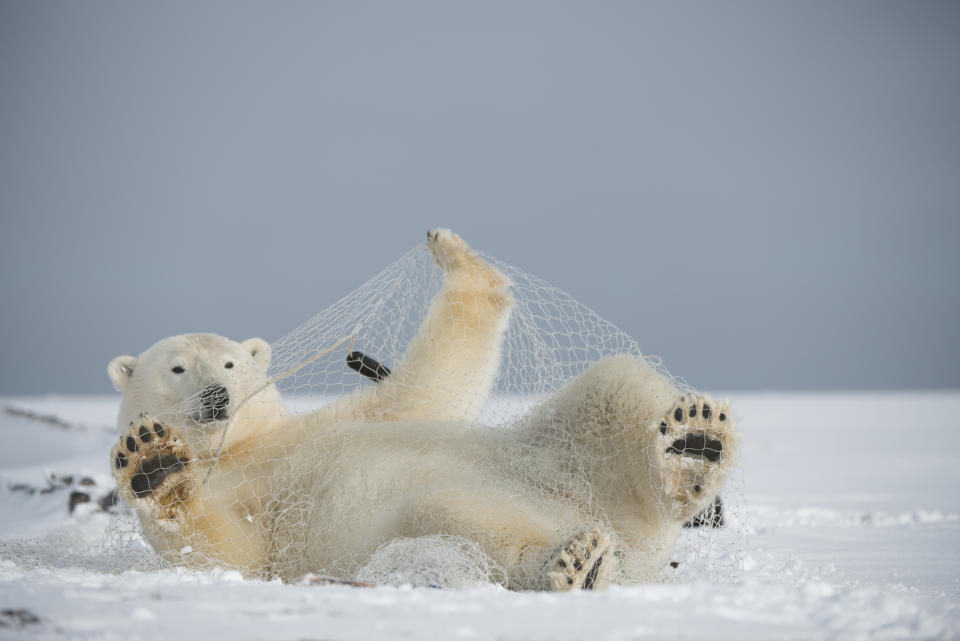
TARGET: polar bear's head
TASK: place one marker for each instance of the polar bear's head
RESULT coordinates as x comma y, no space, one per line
202,378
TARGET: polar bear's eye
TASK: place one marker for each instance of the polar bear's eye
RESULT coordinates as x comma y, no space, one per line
177,370
229,365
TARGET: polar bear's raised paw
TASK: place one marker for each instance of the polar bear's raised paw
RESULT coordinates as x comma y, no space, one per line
583,563
151,464
455,257
448,249
697,438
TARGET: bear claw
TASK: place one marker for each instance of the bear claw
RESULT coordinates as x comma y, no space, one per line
580,563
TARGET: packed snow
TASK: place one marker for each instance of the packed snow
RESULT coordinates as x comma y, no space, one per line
851,530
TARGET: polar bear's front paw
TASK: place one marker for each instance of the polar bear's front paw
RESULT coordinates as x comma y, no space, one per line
697,444
454,256
152,467
585,562
447,248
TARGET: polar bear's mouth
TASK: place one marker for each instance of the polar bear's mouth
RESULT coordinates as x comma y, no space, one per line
214,400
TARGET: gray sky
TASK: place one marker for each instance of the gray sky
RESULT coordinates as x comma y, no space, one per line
765,194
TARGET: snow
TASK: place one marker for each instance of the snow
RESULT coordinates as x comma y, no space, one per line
852,521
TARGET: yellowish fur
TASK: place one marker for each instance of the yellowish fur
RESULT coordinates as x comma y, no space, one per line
587,471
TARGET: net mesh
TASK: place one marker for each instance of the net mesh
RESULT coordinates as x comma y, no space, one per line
453,421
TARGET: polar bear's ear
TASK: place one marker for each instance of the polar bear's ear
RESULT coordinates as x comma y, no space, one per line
259,349
120,370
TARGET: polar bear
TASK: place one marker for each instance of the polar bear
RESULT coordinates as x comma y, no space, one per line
590,487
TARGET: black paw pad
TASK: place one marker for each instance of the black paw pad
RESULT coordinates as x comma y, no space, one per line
121,460
706,411
145,434
663,427
159,429
699,445
153,472
131,444
678,415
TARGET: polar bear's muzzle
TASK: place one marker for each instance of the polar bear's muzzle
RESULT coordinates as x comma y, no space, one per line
214,400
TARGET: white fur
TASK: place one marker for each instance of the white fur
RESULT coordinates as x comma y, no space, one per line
321,492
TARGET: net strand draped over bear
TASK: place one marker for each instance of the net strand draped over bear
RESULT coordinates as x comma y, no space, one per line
589,486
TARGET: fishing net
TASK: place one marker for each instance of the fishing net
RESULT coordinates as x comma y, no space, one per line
453,421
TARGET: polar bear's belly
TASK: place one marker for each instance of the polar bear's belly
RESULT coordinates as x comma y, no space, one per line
344,497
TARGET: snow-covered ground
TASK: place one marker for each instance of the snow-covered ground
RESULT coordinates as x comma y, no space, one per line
852,525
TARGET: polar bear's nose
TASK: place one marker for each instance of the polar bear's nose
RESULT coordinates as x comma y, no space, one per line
214,400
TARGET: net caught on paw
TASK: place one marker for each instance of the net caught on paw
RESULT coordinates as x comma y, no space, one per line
452,418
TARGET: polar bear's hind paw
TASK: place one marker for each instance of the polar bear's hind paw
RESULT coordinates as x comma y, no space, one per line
694,424
151,463
583,563
698,440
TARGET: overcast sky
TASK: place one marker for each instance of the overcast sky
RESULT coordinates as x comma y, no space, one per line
766,194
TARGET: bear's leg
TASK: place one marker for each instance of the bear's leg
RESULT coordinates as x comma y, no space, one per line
694,446
157,473
652,455
519,534
450,365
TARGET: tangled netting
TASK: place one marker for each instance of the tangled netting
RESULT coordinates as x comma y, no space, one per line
453,421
